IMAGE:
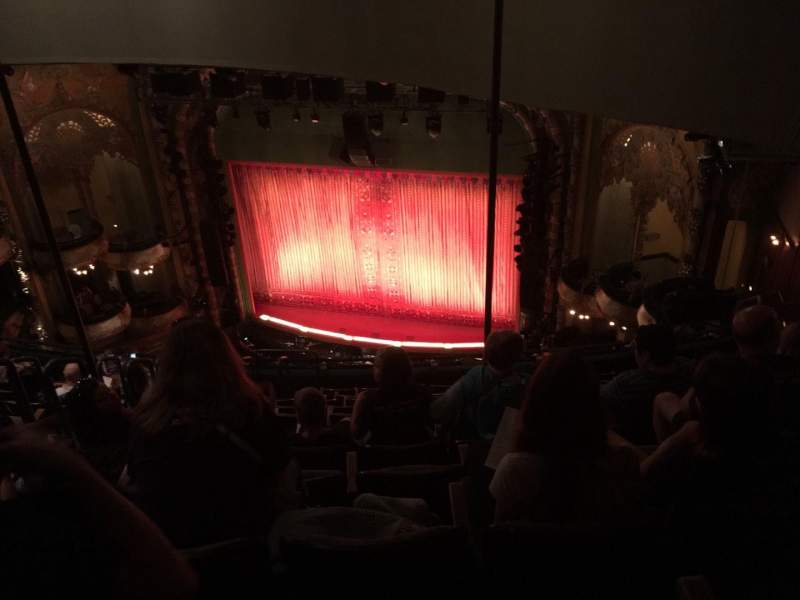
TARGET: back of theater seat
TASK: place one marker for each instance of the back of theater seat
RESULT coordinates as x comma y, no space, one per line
429,482
234,568
321,457
431,558
578,560
426,453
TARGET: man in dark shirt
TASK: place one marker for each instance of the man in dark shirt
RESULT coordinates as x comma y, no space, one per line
757,333
629,396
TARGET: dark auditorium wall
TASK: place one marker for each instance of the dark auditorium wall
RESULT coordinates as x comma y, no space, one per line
778,267
462,147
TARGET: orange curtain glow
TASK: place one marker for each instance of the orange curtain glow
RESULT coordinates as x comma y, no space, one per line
393,243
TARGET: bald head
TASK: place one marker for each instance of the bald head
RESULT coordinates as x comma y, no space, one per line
756,330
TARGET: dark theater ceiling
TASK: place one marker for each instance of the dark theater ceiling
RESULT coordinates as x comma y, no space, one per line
727,68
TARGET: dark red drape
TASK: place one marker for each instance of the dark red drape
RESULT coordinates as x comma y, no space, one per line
379,241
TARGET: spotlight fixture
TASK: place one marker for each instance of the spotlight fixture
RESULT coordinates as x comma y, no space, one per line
315,117
375,124
433,125
379,92
404,118
277,87
263,119
179,83
228,83
296,116
328,90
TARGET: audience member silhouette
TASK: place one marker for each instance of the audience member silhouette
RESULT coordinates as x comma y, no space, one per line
728,479
473,406
73,535
562,468
396,412
757,333
207,458
312,420
629,396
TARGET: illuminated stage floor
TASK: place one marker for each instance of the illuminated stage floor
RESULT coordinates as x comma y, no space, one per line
370,330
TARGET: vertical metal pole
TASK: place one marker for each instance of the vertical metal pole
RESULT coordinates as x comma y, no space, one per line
33,182
494,116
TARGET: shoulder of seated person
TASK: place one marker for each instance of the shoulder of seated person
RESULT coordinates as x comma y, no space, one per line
626,376
623,458
517,459
689,434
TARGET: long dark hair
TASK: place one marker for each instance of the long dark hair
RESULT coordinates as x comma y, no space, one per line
562,417
201,381
393,369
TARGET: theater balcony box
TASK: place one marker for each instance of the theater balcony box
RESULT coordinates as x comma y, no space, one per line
127,257
6,252
152,316
76,251
100,327
619,293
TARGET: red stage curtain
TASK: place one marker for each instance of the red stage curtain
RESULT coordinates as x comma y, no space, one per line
380,241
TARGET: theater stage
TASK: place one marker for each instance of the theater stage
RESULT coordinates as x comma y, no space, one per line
371,330
344,255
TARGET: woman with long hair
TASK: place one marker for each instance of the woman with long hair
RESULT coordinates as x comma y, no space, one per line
562,468
396,411
207,454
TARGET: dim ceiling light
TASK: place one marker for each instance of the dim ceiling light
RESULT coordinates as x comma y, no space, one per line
296,116
315,117
404,118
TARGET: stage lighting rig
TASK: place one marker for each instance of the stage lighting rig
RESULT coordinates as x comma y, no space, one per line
375,124
263,119
433,125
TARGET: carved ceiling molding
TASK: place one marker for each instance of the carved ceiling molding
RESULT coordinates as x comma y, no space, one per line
41,91
64,145
657,162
